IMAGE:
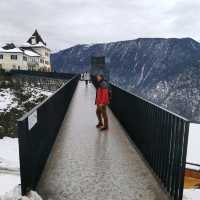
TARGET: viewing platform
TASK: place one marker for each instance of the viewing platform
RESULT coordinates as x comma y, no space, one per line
63,156
87,164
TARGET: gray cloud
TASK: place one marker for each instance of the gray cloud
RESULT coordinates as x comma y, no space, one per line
186,19
64,23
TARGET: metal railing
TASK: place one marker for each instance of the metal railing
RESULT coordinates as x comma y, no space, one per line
37,131
160,135
193,164
54,75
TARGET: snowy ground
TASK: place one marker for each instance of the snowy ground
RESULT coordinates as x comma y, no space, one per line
9,152
15,100
193,146
191,194
15,194
9,164
7,100
193,157
9,171
36,92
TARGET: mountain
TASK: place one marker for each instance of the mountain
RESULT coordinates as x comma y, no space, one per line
164,71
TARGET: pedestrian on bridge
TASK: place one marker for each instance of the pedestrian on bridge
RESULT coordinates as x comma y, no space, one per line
86,78
102,100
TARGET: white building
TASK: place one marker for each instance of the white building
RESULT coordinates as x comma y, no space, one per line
32,55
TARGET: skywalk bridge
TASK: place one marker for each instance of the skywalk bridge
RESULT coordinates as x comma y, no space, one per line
64,157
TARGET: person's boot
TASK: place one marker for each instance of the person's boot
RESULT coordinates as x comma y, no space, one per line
105,120
104,128
99,125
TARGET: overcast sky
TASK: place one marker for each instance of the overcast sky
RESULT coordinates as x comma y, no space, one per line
64,23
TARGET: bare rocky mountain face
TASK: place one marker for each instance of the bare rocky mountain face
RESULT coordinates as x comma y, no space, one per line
164,71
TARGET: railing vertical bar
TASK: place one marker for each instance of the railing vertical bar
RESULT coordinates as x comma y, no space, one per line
162,144
173,128
167,139
183,159
173,191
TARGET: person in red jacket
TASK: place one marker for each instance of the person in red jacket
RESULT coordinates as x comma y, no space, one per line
102,100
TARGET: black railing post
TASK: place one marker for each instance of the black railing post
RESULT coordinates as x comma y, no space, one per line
183,159
25,151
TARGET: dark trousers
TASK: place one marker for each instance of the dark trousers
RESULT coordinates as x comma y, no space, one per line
102,115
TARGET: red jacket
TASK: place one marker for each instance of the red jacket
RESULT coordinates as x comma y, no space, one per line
102,96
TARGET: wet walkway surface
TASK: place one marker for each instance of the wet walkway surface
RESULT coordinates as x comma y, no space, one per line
86,164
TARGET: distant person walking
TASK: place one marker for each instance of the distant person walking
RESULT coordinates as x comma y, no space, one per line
82,77
86,78
102,100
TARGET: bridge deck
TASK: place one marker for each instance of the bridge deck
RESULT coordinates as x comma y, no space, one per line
86,164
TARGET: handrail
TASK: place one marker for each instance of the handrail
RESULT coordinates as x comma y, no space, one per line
37,131
159,134
54,75
193,164
154,104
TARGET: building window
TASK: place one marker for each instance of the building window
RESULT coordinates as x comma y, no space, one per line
46,62
33,40
41,61
18,67
13,57
14,66
1,67
1,57
46,54
25,58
